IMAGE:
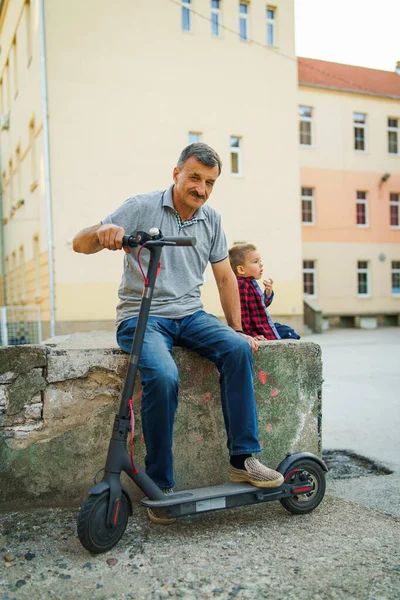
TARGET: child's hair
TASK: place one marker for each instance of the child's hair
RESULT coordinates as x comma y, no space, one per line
237,255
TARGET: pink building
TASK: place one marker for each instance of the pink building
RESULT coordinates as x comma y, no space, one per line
349,135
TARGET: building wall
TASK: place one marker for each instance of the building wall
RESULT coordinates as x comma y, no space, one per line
21,153
125,87
123,98
336,172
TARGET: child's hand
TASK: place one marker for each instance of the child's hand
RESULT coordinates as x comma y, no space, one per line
260,338
268,284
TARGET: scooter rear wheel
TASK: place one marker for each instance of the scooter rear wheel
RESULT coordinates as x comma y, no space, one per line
93,532
310,472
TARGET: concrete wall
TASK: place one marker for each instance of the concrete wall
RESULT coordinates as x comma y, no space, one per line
57,404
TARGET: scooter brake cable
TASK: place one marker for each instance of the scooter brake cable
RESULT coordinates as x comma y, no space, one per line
146,281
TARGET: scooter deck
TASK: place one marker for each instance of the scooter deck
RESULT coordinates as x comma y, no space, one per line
212,498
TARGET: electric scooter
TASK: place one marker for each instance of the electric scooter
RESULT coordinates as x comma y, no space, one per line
103,517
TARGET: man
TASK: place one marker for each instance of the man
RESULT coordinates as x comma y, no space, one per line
176,315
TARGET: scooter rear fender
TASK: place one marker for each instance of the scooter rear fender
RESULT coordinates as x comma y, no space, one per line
290,459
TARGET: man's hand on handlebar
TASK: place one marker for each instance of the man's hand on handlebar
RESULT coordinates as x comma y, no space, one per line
110,236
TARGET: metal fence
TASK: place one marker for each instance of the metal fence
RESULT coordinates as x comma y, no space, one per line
20,325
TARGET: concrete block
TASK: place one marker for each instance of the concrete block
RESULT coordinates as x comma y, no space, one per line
52,461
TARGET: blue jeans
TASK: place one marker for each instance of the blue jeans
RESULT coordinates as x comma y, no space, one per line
209,337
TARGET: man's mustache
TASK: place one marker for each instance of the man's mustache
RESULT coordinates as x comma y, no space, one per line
196,195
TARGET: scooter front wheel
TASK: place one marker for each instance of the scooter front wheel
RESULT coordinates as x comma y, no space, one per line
93,532
308,472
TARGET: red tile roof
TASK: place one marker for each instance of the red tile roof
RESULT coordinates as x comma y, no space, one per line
321,73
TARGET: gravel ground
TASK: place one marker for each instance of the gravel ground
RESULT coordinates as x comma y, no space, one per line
342,550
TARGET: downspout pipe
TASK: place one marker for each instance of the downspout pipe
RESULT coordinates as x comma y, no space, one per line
49,206
2,247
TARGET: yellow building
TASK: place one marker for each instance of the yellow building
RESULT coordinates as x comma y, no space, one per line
97,101
349,128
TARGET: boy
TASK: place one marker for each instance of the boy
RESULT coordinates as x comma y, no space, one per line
247,265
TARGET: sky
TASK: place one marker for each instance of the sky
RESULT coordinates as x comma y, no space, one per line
365,33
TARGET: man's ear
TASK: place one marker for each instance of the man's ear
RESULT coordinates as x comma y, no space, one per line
240,270
175,174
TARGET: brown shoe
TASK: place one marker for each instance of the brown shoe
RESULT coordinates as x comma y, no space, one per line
158,516
256,473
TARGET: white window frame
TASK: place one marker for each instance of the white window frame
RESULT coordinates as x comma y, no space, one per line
191,135
245,18
14,279
313,272
238,151
311,199
303,119
362,126
395,271
397,204
217,12
22,274
187,6
363,202
271,22
366,271
396,130
36,258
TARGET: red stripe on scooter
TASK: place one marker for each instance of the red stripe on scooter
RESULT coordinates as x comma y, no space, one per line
303,489
116,512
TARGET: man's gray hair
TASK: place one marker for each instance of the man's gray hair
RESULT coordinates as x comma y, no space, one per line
201,152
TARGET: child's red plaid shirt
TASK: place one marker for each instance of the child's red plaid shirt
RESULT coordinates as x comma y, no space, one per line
255,318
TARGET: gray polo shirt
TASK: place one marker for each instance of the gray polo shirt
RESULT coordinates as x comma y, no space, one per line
177,290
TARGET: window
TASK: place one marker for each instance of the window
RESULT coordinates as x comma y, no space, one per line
7,88
194,137
359,121
243,21
236,159
14,279
6,300
215,18
394,209
393,136
11,188
271,34
28,24
4,182
186,15
363,278
18,173
309,278
36,258
32,151
362,210
15,67
22,274
396,277
305,114
307,206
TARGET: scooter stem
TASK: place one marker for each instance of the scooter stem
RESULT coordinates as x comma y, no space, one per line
155,253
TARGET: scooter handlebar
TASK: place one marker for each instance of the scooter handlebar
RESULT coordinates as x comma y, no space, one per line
132,241
180,240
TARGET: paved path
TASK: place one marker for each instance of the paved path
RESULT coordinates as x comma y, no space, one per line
361,402
348,549
361,408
